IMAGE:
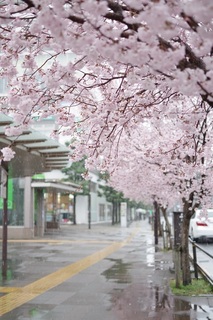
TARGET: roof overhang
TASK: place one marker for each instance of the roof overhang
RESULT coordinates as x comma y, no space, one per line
57,186
35,152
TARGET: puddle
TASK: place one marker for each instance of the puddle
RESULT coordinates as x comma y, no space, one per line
140,302
12,265
162,300
41,259
160,265
150,256
118,272
32,313
186,310
16,268
53,251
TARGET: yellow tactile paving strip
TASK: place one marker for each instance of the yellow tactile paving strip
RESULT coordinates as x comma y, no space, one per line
56,241
16,297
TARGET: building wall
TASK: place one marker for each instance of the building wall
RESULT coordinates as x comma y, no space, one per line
100,209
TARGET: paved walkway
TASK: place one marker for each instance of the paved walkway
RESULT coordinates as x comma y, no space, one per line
105,273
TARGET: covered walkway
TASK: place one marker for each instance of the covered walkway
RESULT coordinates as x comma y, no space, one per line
34,153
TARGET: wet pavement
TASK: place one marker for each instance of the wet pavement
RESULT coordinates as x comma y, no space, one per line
105,273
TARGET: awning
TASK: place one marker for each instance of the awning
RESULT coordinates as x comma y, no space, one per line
62,187
35,152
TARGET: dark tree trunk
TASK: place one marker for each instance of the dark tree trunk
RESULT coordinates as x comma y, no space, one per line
156,212
160,229
188,211
185,262
113,212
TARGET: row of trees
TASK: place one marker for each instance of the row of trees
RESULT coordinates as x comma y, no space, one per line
75,174
140,75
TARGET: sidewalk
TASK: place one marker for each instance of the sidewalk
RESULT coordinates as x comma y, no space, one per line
105,273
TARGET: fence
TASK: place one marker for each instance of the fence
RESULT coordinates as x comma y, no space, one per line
197,266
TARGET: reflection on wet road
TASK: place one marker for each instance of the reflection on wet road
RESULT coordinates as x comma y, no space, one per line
117,276
150,256
22,295
185,310
118,272
138,297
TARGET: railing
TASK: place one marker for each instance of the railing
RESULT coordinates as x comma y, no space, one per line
197,266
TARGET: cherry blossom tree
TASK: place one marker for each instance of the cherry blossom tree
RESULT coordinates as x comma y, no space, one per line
129,49
139,71
168,163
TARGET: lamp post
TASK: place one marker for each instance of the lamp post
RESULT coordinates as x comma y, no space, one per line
89,206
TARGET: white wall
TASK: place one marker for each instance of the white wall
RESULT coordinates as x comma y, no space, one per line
82,208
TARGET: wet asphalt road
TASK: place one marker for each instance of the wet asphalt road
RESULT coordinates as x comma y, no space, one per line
106,273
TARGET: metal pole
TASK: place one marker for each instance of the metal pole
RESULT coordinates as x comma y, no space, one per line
177,267
74,209
4,186
89,206
195,259
89,211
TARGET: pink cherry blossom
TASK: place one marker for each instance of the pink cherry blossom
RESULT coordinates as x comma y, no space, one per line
7,154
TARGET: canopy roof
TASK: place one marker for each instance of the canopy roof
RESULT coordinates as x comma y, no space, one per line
35,152
55,181
58,186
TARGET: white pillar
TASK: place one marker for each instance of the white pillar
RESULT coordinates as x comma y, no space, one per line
123,214
28,207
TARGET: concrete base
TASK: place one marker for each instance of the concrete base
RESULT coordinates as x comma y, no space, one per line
18,232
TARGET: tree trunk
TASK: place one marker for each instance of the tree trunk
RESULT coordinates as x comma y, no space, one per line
113,212
168,227
156,221
185,262
160,228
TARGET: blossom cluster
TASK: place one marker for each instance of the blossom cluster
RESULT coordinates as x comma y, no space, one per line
7,154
